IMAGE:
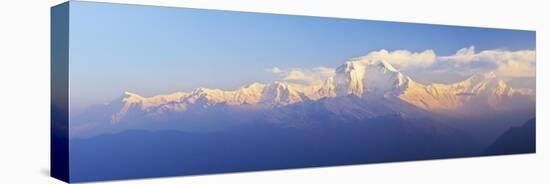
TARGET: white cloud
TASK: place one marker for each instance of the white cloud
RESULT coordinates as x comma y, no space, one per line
275,70
324,72
465,62
503,62
297,75
513,68
304,76
402,59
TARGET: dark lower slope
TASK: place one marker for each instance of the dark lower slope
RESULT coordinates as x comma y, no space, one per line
516,140
138,154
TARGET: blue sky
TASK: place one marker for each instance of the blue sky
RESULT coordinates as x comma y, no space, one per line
157,50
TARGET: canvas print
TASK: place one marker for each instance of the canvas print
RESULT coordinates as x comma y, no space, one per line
146,91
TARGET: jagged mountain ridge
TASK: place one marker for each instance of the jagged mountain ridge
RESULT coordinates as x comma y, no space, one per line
367,79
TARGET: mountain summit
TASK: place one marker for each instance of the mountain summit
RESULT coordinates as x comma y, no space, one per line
369,80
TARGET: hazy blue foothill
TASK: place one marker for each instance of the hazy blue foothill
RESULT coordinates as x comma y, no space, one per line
518,139
140,153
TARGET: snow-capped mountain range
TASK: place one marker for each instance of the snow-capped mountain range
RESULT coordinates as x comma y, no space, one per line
377,84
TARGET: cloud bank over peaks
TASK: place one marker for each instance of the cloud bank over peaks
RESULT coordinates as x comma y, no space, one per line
401,59
504,63
428,67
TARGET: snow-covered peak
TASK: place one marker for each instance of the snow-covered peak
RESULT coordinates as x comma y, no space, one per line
254,86
127,93
249,94
477,84
280,93
480,77
131,97
128,101
464,96
368,77
387,66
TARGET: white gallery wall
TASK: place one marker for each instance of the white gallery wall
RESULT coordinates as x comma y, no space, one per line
24,90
